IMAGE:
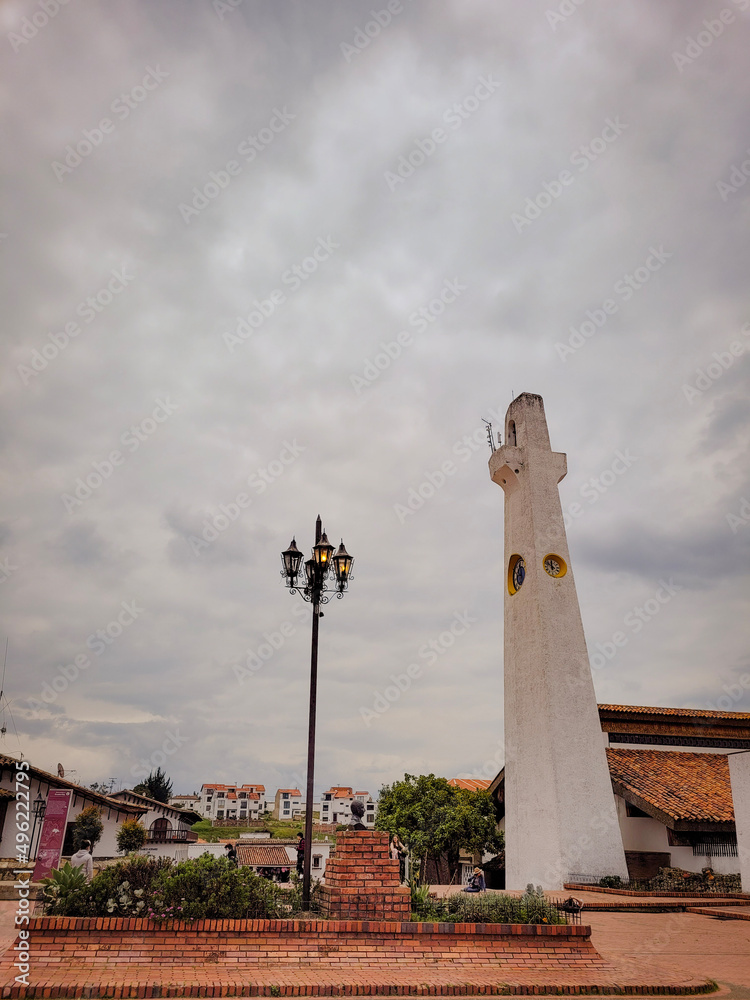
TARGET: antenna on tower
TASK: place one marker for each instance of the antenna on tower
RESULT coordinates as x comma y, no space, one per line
490,439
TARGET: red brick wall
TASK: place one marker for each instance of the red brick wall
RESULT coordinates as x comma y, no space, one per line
362,880
110,943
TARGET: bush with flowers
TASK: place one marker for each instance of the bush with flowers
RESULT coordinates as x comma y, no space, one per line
213,889
206,887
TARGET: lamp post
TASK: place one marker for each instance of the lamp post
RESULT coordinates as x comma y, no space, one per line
39,809
323,568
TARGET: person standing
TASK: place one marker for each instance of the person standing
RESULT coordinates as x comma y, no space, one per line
300,853
231,853
398,852
83,859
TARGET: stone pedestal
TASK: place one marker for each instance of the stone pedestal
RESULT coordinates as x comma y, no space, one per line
362,881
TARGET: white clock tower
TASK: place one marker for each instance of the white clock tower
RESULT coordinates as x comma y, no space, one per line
560,815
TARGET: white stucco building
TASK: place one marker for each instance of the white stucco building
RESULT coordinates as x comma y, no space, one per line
288,803
336,805
232,802
112,811
671,785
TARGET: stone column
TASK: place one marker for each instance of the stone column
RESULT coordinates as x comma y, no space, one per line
362,880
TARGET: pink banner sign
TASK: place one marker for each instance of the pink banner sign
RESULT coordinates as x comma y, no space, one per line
53,832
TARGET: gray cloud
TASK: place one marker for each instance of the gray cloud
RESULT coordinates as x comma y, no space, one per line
317,133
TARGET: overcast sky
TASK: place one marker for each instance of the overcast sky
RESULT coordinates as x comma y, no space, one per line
213,219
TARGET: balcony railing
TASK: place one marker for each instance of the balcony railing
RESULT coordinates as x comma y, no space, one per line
172,837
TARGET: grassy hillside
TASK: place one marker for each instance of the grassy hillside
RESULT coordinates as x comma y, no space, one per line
281,828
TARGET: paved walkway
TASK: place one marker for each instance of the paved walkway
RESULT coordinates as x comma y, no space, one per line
689,946
700,945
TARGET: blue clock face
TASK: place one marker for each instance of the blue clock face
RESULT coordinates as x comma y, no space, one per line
519,573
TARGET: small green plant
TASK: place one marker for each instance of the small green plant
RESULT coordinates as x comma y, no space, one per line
611,882
63,884
420,897
127,902
131,836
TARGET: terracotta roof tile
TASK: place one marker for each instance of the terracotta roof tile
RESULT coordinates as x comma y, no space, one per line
684,786
703,713
472,784
260,854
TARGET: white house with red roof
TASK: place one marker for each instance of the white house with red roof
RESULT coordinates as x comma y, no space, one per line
232,802
287,802
336,805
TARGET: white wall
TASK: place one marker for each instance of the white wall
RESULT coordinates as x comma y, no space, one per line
647,834
739,775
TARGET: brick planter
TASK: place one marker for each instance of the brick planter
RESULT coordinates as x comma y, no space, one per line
131,958
111,942
362,880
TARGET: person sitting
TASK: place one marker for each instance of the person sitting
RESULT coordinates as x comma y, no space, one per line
476,882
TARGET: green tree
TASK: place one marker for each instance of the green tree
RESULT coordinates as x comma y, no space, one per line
131,836
156,786
88,826
434,818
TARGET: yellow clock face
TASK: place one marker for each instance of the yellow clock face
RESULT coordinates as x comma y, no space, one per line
555,565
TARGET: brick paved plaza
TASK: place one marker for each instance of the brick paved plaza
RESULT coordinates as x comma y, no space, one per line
671,951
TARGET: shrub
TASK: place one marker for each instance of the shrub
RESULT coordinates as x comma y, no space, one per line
611,882
88,826
132,873
131,836
212,888
493,908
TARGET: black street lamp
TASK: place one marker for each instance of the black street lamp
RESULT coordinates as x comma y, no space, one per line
38,809
323,569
